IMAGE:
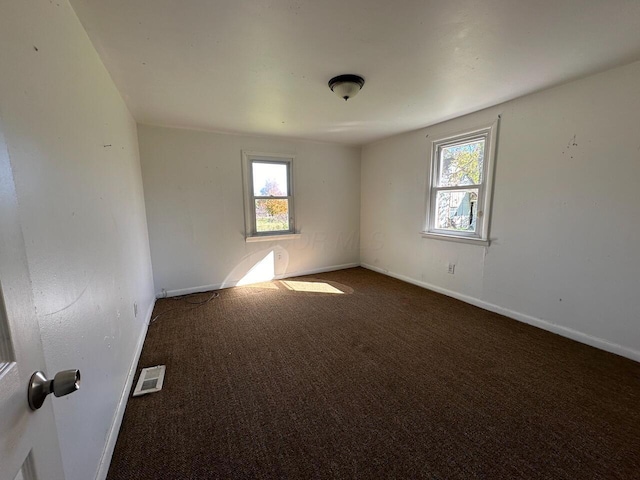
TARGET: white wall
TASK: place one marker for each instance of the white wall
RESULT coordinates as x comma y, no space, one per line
565,226
73,148
194,197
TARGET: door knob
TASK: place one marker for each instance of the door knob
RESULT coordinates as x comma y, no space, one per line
64,383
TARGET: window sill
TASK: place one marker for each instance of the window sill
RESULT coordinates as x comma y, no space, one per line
452,238
271,238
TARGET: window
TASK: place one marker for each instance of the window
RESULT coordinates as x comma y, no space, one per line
459,199
268,188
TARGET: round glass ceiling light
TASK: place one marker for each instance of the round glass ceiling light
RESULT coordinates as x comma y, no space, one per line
346,86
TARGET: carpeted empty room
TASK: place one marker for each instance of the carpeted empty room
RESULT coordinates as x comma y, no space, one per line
353,374
357,239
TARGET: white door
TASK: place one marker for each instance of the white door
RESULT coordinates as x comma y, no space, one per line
28,440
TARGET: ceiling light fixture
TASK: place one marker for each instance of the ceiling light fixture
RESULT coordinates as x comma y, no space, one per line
346,86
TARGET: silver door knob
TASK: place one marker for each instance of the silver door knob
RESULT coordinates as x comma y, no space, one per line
64,383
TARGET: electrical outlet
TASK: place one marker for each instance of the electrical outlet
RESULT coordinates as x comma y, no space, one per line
452,268
135,309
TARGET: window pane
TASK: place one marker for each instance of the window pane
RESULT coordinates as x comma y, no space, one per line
270,179
272,215
457,210
461,164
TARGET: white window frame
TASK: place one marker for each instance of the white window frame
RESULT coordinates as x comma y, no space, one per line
485,188
251,233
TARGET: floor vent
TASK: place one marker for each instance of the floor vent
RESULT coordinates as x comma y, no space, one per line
150,380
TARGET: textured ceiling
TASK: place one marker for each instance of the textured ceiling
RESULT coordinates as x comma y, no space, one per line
262,66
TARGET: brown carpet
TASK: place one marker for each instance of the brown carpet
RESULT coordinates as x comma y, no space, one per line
387,380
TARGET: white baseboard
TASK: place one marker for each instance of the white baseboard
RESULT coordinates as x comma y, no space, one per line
112,437
233,283
536,322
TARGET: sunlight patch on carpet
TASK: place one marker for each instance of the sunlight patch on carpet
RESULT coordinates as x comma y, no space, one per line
314,287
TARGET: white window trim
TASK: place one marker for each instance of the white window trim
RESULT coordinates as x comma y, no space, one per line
272,237
485,189
251,235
